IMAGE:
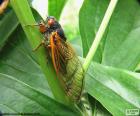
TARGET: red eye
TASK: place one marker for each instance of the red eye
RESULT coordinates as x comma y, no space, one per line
51,22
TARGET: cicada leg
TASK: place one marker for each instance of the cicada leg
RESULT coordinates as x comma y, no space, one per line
32,25
42,43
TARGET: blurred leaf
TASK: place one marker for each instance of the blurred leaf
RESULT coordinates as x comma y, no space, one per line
76,44
28,99
8,23
55,7
122,48
21,76
137,69
78,50
115,89
90,17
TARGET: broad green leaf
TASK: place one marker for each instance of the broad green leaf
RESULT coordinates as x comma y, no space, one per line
122,48
8,23
18,60
25,99
55,7
117,90
90,17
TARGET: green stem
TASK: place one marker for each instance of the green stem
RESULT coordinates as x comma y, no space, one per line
100,33
24,14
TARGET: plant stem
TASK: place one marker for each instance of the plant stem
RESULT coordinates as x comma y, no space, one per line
99,34
24,14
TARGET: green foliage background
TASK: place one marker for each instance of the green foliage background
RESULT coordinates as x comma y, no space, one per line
112,82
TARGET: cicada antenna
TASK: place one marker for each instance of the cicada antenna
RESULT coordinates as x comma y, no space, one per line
32,25
41,22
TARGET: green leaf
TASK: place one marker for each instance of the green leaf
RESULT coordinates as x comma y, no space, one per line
97,108
25,99
90,17
55,7
76,44
115,89
17,58
100,110
122,37
137,68
122,43
8,23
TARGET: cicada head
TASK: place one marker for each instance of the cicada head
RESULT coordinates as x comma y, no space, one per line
54,26
42,27
51,21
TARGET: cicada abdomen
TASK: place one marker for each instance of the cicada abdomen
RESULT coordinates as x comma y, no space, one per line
76,82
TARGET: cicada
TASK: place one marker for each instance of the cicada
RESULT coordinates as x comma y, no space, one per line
65,61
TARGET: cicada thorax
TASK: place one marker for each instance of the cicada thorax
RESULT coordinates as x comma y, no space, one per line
54,26
67,66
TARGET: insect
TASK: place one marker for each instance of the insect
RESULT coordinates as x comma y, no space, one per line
65,61
3,5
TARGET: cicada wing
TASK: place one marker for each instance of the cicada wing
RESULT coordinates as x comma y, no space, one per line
55,57
68,67
57,61
74,73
